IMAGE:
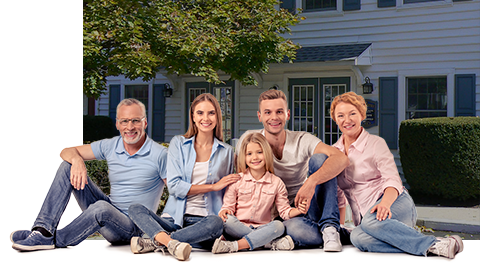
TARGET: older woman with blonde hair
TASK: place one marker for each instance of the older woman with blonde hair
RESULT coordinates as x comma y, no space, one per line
383,212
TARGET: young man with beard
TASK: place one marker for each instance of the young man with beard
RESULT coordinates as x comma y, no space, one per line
136,172
308,167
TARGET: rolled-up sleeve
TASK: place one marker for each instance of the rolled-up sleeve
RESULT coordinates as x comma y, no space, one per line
281,201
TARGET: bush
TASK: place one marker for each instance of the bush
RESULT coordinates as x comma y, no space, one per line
98,127
441,156
98,172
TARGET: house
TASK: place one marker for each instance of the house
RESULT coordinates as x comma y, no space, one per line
422,57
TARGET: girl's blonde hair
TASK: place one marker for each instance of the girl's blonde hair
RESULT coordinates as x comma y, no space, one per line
267,152
349,98
192,128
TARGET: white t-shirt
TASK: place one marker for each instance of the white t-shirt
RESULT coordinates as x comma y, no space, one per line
293,167
196,203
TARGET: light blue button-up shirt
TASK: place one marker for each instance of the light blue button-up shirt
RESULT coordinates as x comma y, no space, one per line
181,160
133,178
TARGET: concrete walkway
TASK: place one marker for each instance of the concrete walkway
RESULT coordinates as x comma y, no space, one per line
456,219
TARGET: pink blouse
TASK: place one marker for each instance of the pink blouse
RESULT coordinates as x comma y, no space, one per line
372,169
251,201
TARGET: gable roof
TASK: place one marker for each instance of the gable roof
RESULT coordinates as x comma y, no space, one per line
330,53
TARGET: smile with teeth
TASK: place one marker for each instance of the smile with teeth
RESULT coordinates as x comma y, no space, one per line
349,126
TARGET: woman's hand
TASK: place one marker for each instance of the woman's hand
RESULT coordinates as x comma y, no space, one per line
383,208
225,181
383,211
223,214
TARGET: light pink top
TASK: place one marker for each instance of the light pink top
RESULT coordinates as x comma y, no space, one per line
251,201
372,169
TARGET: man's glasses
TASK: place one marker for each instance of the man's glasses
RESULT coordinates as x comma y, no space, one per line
135,121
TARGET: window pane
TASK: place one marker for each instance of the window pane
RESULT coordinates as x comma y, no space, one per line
427,97
139,92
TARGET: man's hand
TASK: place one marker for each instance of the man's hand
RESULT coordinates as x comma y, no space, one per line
78,174
305,195
77,157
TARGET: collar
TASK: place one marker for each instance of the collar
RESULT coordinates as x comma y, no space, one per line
145,149
267,178
359,144
216,143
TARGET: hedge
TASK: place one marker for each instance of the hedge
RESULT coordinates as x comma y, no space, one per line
441,156
98,127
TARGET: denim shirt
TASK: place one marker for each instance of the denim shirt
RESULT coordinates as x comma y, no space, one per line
181,160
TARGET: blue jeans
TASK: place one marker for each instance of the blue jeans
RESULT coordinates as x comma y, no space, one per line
395,235
306,230
98,213
255,236
198,231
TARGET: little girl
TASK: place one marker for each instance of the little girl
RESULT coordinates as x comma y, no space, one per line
247,204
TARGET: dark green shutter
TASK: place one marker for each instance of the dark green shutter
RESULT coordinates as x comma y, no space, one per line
349,5
386,3
465,94
158,113
388,116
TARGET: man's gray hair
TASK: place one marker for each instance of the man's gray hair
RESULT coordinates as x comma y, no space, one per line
132,101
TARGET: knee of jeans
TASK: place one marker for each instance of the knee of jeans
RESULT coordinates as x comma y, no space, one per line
215,224
135,209
316,161
279,227
100,209
65,167
370,224
295,227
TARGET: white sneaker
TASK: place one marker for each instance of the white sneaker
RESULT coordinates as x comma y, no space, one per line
446,247
283,243
140,245
223,246
331,240
179,250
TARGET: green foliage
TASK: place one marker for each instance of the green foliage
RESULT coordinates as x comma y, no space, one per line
441,156
98,127
98,172
136,38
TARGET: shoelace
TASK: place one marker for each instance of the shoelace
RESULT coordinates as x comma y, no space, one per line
34,233
148,244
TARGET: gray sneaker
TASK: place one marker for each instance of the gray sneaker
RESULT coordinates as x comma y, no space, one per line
331,240
283,243
222,246
140,245
446,247
179,250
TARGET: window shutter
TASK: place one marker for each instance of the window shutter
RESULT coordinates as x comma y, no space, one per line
290,5
349,5
158,113
113,100
388,116
386,3
465,94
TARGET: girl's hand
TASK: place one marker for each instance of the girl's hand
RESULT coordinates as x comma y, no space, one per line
225,181
383,211
302,207
223,214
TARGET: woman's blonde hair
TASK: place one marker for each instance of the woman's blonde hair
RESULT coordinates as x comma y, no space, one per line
267,152
192,128
349,98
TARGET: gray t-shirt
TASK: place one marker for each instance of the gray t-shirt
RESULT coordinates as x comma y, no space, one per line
293,167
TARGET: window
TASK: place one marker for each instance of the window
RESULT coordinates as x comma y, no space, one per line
426,97
302,111
139,92
319,5
331,130
418,1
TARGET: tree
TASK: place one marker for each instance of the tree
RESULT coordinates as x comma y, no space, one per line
137,38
